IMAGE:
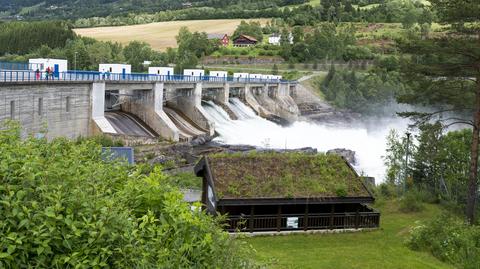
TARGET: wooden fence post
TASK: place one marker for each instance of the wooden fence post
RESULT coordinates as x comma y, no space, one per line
331,216
305,218
252,213
279,218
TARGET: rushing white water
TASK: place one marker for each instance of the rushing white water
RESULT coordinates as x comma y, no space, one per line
367,140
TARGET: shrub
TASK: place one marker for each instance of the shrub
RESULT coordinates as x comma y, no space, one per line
62,206
449,239
411,202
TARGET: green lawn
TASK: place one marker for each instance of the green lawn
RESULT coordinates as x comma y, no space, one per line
383,248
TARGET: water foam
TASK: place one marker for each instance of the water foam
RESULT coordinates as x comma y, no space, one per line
368,140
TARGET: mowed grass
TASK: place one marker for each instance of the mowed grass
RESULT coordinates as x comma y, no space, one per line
161,35
384,248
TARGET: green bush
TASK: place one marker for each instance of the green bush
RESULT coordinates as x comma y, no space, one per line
449,239
412,201
62,206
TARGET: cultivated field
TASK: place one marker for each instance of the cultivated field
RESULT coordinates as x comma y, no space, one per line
160,35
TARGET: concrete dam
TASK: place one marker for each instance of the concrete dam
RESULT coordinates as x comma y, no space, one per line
141,106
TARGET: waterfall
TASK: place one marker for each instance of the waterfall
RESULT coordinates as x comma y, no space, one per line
369,142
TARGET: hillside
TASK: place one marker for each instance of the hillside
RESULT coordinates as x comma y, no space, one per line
160,35
74,9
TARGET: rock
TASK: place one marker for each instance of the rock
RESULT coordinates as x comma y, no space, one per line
349,155
201,140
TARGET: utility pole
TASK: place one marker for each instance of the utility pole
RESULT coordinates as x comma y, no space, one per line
406,161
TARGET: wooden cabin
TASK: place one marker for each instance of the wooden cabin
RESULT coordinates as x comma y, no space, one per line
273,192
244,41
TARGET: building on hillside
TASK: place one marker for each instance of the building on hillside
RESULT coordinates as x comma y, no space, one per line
273,192
274,39
245,41
223,39
162,71
58,66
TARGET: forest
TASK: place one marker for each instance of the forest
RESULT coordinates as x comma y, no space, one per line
67,9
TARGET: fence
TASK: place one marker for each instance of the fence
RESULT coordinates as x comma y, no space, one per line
292,222
32,76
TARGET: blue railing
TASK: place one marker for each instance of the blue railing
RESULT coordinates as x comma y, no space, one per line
32,76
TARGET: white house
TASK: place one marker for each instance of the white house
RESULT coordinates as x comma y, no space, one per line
241,75
115,68
56,65
219,74
162,71
194,72
274,39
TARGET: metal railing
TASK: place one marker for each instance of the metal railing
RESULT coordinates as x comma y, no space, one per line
90,76
348,220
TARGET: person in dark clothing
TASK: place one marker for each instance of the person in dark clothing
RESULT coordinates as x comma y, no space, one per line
47,73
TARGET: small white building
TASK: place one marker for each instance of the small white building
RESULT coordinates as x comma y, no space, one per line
56,65
274,39
115,68
219,74
277,77
241,75
162,71
256,76
194,72
267,77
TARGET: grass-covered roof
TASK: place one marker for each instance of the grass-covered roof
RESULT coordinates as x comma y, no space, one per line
284,175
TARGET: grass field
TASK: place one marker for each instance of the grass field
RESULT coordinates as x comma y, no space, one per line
160,35
383,248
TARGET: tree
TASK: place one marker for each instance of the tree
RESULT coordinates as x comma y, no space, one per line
252,29
445,72
275,69
136,53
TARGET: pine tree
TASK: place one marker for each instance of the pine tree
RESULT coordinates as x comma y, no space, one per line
445,71
275,69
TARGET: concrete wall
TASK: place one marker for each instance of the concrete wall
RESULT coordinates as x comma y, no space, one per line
62,108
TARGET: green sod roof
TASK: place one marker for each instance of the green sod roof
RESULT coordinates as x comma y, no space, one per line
284,175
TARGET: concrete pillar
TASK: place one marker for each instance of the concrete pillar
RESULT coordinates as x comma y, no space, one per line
251,101
166,128
221,95
98,108
191,106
